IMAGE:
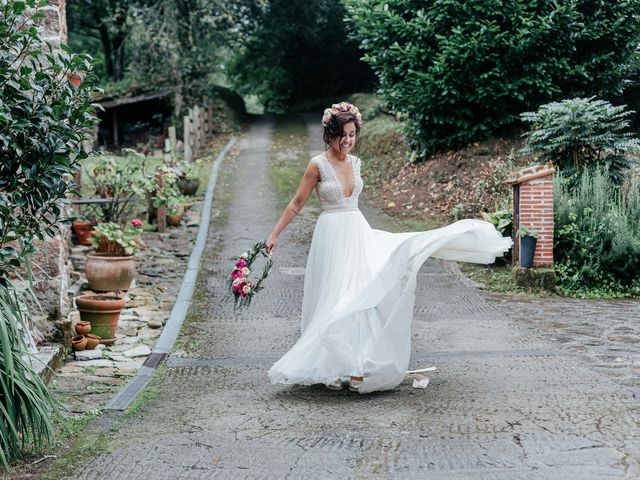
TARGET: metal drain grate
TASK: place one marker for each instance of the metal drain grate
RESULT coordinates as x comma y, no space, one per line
154,359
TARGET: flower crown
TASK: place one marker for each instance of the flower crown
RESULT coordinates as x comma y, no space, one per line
341,107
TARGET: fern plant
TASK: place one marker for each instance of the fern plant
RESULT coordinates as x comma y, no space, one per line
582,133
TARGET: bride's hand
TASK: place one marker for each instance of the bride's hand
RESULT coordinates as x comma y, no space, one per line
271,243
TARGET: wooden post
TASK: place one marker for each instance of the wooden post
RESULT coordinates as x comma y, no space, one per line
173,140
188,153
210,118
202,115
116,139
168,154
197,128
207,126
161,215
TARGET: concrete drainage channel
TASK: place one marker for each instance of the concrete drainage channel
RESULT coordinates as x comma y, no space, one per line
181,306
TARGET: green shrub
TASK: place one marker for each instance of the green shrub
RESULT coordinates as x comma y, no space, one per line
43,120
461,69
581,133
597,235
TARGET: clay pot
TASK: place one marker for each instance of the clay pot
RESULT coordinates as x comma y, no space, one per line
108,273
83,232
188,185
82,328
92,341
103,311
79,342
174,220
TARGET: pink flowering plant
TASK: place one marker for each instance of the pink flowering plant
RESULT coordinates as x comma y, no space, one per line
242,288
110,238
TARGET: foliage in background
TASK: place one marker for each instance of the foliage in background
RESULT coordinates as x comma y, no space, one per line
460,70
597,235
296,52
43,119
146,44
582,133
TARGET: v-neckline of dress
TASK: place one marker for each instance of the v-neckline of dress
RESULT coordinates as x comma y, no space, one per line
335,173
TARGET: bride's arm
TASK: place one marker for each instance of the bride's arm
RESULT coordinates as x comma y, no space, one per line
307,184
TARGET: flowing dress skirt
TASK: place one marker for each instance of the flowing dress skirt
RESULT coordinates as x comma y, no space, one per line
359,293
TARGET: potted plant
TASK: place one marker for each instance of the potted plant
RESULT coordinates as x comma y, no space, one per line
528,239
111,266
187,181
160,188
118,180
103,312
175,209
83,226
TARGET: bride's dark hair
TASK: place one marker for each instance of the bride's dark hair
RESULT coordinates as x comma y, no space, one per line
335,126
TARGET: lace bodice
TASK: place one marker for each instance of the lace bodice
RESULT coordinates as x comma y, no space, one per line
330,189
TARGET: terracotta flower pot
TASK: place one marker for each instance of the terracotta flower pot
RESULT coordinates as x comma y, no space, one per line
82,328
188,185
108,273
92,341
174,220
79,342
103,312
83,232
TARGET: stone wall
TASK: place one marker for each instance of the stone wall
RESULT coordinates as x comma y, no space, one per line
55,22
50,264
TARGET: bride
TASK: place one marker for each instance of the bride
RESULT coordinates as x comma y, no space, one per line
359,285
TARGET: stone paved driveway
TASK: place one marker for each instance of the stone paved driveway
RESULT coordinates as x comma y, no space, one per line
505,402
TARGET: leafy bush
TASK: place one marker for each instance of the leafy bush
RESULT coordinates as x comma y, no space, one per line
582,133
597,235
461,69
43,119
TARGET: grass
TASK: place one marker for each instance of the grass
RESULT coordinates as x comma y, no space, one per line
496,278
147,395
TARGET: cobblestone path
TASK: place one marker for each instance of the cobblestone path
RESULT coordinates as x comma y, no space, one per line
505,403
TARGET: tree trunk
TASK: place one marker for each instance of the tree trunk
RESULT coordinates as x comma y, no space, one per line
106,48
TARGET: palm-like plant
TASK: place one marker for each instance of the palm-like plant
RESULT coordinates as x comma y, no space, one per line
26,406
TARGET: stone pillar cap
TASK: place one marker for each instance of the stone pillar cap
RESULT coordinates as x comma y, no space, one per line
531,173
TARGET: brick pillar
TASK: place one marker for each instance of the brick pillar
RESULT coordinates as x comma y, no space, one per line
533,208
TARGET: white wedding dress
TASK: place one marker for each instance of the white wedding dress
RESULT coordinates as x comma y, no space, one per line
359,288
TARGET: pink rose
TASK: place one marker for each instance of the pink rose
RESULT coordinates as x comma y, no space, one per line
241,263
237,288
237,274
136,223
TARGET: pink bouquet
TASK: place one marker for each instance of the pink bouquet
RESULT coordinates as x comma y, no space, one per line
242,288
